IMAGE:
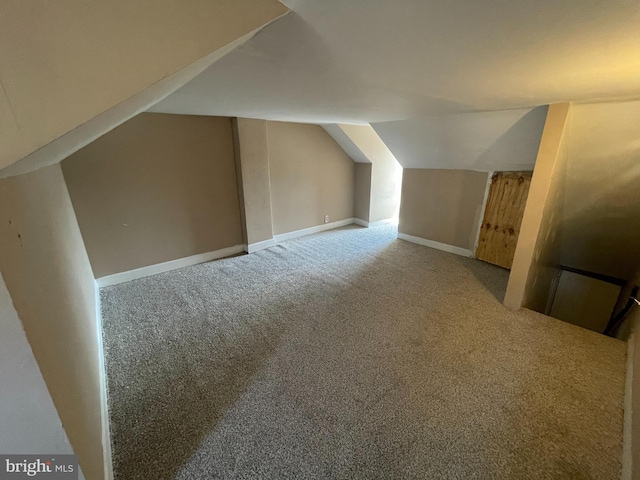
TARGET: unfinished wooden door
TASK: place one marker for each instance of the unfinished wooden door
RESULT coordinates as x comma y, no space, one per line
502,217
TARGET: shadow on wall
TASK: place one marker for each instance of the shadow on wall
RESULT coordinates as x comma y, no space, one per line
548,251
601,231
591,219
517,148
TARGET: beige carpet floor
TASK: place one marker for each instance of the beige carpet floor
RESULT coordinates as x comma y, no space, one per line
351,354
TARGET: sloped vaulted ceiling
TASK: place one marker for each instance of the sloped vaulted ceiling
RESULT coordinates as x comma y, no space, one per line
71,70
483,141
380,61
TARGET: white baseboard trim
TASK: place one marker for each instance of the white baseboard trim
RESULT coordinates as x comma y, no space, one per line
464,252
122,277
311,230
364,223
104,401
254,247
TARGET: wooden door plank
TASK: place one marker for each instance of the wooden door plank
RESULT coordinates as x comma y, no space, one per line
503,217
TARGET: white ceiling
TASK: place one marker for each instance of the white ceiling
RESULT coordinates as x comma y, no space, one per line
375,61
357,61
485,141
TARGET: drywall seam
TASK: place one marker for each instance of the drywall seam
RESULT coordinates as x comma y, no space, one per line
627,429
311,230
63,146
266,135
437,245
239,181
482,211
104,399
142,272
3,93
255,177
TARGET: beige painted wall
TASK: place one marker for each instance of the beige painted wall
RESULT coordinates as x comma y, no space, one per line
442,205
600,222
631,454
386,172
535,262
386,189
252,169
311,176
630,332
589,218
362,205
47,272
547,256
30,422
157,188
63,64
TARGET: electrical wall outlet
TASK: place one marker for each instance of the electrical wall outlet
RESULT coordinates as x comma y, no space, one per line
326,219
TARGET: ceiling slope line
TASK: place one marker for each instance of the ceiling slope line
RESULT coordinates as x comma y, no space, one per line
72,141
